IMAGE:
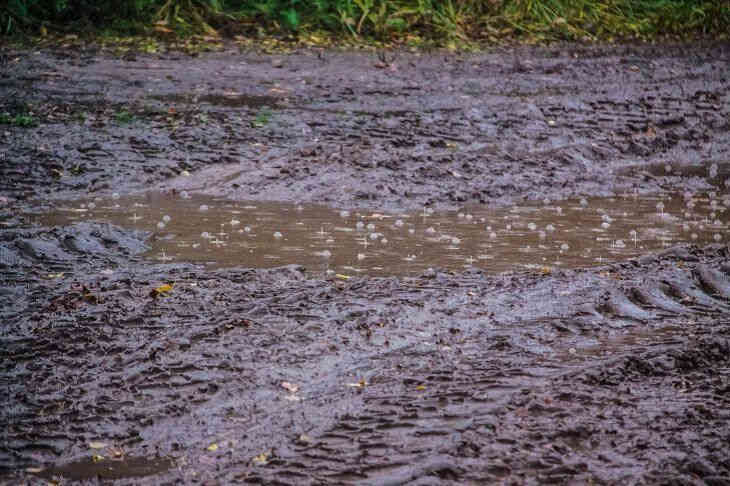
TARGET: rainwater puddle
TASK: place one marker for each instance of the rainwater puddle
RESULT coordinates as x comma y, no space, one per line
573,233
108,469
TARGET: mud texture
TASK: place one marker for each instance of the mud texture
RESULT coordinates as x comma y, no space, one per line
348,130
609,375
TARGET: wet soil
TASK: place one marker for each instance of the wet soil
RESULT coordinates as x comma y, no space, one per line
118,368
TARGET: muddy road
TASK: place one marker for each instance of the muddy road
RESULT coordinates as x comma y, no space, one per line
122,367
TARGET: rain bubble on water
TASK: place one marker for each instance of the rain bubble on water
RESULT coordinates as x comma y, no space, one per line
205,235
203,207
247,229
634,236
492,235
359,225
370,226
583,202
115,196
344,214
411,231
460,215
166,218
713,171
234,222
91,205
399,222
550,227
532,226
160,225
717,236
361,256
278,235
455,241
430,230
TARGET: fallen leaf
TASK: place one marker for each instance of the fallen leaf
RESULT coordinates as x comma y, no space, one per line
213,447
97,458
420,388
360,384
97,445
33,470
161,290
343,277
116,451
290,387
262,459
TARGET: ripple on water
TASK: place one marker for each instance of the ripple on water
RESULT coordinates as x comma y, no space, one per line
570,233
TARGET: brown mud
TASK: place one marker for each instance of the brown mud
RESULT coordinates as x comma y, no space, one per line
118,368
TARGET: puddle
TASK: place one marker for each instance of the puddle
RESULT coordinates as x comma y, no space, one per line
233,100
573,233
108,469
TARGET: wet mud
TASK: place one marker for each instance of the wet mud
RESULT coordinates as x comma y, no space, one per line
121,368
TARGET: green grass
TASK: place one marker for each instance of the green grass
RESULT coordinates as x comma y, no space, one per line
19,120
444,22
123,117
263,117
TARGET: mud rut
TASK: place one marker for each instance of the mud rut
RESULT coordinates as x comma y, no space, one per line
618,374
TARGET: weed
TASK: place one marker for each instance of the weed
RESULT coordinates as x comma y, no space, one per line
262,118
124,116
19,120
443,21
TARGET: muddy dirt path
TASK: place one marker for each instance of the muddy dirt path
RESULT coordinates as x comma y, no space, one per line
611,374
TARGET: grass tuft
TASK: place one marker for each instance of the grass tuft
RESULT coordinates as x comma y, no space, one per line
444,22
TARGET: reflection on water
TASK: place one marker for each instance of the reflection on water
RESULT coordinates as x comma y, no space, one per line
539,236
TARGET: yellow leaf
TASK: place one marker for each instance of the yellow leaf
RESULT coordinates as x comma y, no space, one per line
360,384
97,458
262,459
213,447
343,277
162,290
97,445
420,388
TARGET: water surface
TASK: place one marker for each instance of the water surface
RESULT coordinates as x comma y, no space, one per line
573,233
